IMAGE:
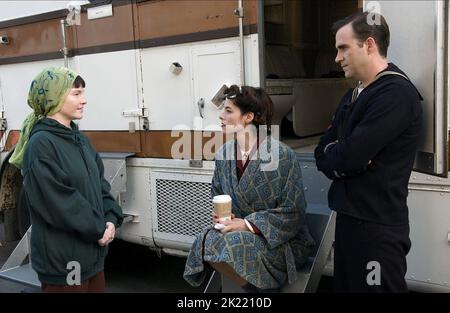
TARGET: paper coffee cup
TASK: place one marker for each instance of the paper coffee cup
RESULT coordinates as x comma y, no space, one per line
222,207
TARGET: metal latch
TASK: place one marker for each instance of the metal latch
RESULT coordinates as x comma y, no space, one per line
140,112
130,218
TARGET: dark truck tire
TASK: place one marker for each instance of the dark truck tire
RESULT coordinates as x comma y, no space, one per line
11,181
10,227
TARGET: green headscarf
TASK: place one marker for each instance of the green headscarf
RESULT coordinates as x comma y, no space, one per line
46,97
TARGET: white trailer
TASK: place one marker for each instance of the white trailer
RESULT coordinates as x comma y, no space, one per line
152,68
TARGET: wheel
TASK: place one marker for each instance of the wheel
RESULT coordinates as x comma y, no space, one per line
23,213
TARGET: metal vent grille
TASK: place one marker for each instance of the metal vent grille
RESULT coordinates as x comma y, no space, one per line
183,207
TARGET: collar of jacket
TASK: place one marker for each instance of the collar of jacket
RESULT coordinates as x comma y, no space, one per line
58,129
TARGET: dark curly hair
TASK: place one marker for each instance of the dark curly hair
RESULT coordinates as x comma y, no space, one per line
255,100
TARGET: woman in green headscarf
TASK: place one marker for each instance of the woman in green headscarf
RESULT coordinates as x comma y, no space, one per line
46,97
73,215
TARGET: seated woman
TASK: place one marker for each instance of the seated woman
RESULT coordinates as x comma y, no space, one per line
267,237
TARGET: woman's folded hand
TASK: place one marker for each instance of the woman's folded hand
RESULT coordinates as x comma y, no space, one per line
236,224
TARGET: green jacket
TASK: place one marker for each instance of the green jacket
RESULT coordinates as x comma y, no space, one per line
69,202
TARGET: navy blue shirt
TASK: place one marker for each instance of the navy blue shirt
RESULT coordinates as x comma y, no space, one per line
375,141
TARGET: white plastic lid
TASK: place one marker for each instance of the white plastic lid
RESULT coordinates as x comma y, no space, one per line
222,199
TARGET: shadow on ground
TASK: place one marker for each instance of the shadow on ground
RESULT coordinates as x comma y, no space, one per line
134,268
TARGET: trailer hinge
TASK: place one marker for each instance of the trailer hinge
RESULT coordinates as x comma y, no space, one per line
141,112
239,12
3,123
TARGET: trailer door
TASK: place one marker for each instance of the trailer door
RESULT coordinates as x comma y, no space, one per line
213,65
418,46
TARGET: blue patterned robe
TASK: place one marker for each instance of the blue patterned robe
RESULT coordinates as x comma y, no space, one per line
270,198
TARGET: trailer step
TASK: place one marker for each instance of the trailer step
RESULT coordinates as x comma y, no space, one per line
22,274
16,268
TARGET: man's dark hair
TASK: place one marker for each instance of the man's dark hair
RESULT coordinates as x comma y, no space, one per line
250,99
79,82
363,30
